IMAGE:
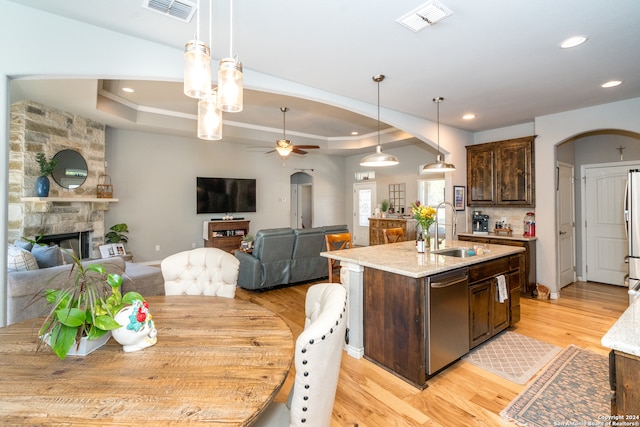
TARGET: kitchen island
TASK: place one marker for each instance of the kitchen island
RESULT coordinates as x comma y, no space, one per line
395,315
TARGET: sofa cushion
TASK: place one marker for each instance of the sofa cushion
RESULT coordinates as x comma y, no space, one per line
47,256
19,259
23,244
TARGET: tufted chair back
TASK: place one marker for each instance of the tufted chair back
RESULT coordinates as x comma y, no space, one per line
318,354
202,271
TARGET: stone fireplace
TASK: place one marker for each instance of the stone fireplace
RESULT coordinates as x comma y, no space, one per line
35,128
78,242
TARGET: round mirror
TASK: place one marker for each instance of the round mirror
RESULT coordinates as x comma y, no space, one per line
71,169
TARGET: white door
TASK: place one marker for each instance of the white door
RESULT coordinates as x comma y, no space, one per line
606,242
566,224
364,201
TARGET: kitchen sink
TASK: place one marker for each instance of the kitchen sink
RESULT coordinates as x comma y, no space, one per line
454,252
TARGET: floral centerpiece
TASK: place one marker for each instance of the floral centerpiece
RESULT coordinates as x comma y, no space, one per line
426,216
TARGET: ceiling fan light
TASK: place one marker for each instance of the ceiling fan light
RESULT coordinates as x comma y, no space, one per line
197,69
379,159
230,86
284,151
209,118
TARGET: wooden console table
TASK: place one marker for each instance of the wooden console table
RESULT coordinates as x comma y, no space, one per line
226,234
218,360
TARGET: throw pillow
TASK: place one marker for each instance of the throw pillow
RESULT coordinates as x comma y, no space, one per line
19,259
47,256
23,244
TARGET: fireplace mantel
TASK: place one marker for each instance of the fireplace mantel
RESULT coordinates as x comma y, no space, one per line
44,204
69,199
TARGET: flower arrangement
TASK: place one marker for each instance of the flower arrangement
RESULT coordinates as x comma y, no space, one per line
425,215
46,166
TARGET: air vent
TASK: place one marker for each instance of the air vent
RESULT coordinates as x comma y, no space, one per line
424,15
181,10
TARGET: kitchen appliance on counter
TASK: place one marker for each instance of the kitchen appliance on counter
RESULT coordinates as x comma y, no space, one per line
632,223
480,223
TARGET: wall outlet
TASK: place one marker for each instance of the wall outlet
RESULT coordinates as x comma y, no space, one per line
157,248
193,245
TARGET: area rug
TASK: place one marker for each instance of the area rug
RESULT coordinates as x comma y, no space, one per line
512,356
572,391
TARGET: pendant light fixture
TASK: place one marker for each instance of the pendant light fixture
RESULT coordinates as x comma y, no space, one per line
283,146
379,158
440,165
230,85
209,117
197,64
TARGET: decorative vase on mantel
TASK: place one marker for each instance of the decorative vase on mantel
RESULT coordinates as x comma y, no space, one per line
42,186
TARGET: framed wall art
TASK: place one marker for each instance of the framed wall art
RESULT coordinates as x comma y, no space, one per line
459,197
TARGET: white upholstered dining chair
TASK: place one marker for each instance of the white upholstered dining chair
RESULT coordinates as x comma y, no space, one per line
201,271
318,353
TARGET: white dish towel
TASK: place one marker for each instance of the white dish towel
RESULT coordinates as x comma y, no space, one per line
503,295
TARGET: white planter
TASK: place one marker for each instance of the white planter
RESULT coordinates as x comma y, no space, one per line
86,346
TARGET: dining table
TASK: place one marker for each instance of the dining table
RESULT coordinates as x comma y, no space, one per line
217,361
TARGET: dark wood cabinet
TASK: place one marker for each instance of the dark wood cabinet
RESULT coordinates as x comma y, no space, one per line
501,173
625,383
376,225
528,269
487,315
226,234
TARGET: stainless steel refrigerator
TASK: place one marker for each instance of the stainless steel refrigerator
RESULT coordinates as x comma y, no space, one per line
632,221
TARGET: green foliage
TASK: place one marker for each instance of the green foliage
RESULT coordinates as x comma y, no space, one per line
116,235
384,205
46,166
84,306
248,237
35,241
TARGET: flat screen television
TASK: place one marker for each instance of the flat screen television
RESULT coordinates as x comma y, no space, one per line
225,195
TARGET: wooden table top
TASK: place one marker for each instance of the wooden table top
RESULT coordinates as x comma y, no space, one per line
217,360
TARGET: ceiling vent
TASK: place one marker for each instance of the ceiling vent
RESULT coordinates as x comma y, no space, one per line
181,10
424,15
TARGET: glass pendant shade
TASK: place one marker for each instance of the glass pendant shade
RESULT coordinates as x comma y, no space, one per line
284,147
379,159
209,118
197,69
230,86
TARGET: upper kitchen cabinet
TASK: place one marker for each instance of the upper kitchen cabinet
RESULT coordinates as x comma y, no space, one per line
501,173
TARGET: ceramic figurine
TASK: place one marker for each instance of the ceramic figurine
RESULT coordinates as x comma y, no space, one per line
137,330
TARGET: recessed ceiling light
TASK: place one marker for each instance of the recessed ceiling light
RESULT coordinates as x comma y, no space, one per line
354,133
128,90
612,83
469,116
573,42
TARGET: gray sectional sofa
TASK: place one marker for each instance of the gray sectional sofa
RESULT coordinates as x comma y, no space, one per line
283,256
23,285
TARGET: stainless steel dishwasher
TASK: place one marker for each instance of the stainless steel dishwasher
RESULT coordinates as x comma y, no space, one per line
447,318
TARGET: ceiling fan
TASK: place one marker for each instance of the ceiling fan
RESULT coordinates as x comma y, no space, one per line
284,147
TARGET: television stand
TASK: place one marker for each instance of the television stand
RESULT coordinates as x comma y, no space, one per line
226,234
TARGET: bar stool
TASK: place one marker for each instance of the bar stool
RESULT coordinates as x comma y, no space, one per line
393,235
336,242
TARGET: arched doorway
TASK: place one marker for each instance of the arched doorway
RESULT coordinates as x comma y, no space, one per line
301,200
591,151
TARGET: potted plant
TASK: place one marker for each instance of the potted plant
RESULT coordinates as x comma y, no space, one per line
384,206
117,234
247,241
84,307
46,168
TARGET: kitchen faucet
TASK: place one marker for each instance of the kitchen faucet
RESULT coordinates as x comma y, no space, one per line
453,228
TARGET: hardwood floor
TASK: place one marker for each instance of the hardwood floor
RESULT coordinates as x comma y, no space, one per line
461,395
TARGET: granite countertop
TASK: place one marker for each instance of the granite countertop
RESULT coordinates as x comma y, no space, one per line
624,335
500,236
403,258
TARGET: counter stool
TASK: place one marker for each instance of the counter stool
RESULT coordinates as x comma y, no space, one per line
336,242
393,235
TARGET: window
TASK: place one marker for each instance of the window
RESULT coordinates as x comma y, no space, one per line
431,193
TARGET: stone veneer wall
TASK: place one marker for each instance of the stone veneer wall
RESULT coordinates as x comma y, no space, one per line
35,128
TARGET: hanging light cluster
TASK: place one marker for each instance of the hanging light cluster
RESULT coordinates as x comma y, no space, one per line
227,96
